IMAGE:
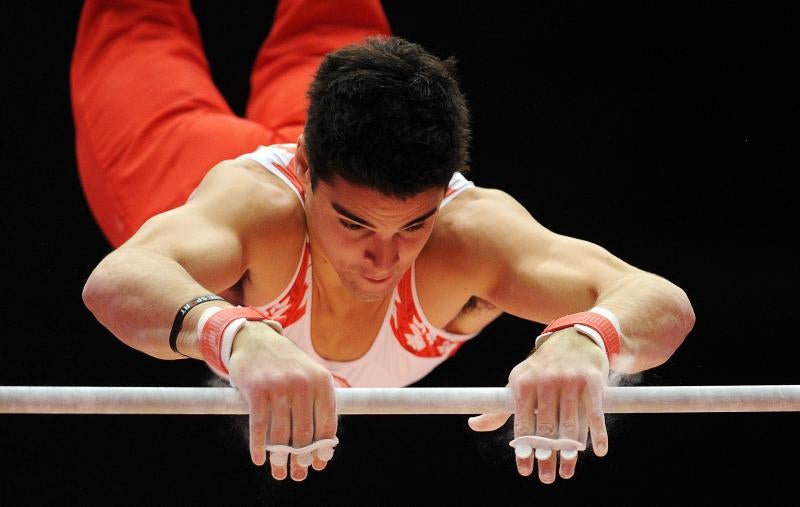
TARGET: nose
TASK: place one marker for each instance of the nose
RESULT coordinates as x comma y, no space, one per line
383,254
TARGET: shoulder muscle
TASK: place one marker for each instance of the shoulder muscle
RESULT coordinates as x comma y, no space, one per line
520,265
211,235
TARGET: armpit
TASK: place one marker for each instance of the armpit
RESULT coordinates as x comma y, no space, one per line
235,294
476,304
474,316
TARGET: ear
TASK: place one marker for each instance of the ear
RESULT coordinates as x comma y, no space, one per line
301,169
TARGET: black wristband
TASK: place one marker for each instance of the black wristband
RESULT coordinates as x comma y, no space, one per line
182,311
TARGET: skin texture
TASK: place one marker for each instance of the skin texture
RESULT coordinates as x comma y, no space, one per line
241,235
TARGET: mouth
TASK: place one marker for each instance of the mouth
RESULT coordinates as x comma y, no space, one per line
377,280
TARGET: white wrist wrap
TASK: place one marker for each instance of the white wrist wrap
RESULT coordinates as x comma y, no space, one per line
204,318
227,340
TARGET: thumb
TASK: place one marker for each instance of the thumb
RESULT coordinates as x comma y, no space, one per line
487,422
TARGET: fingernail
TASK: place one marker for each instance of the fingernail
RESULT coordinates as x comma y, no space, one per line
299,474
279,473
548,477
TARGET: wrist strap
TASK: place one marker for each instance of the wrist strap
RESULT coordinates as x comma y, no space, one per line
182,311
589,323
216,340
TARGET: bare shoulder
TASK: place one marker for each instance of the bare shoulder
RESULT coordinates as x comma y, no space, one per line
482,219
239,210
261,207
477,206
455,269
503,252
234,200
479,235
245,190
491,227
269,220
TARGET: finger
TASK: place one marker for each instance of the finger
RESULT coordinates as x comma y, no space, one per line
593,400
318,463
546,420
259,424
524,423
568,427
302,429
279,432
487,422
583,421
325,421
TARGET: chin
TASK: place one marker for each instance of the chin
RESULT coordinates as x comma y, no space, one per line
369,297
363,292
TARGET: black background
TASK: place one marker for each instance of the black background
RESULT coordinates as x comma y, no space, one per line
659,130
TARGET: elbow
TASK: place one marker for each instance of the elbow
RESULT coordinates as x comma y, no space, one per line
92,290
690,319
97,291
91,293
684,315
672,323
679,324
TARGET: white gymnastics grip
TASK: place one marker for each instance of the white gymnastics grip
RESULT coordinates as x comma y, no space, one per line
323,448
524,446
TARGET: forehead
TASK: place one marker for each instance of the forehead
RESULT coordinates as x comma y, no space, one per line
360,198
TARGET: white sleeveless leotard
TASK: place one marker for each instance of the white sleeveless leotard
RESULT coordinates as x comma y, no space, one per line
407,347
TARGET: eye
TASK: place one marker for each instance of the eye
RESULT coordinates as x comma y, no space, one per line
415,227
350,226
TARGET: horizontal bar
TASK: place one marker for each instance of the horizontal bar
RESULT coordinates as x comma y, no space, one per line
350,401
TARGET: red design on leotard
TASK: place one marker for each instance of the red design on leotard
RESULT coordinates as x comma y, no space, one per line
291,308
411,331
292,177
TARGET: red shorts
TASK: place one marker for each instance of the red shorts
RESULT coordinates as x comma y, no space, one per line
149,122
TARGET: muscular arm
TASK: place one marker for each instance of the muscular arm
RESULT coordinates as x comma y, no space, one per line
538,275
203,247
192,250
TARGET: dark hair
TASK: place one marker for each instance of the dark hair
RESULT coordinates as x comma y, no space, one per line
388,115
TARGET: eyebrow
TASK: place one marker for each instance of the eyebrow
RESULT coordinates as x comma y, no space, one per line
355,218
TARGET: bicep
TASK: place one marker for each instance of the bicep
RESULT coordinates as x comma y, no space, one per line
207,236
565,278
540,275
209,250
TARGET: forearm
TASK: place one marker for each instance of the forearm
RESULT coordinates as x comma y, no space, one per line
136,294
655,316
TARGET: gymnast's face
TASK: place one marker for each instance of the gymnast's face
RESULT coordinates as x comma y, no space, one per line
369,239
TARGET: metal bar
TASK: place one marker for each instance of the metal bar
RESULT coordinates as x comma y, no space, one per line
350,401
